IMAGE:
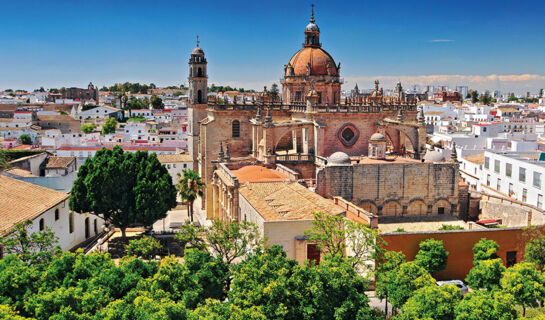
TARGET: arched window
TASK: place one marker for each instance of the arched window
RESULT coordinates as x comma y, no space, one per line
42,224
199,72
199,96
56,214
236,129
87,228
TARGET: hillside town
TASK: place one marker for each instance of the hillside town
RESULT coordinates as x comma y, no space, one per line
201,201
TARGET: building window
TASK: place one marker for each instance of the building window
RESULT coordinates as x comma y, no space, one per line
508,169
524,195
56,214
71,222
511,192
498,184
537,180
487,162
511,258
497,166
488,180
185,165
539,201
298,96
441,210
522,175
236,129
313,253
42,224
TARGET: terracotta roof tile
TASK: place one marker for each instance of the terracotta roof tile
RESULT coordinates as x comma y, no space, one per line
179,157
276,201
253,173
59,162
21,201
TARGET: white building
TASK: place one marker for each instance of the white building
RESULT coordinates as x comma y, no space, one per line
21,201
100,112
176,163
516,175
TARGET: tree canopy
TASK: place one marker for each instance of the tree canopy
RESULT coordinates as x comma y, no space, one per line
432,255
109,126
485,250
124,188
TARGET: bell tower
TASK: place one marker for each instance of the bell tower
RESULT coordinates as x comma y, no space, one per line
198,78
198,102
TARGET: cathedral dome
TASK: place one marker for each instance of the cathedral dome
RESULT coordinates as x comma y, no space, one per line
312,27
338,158
197,50
378,137
320,62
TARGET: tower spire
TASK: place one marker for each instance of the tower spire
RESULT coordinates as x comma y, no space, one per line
312,16
198,41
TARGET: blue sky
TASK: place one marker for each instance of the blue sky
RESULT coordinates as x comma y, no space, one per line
494,44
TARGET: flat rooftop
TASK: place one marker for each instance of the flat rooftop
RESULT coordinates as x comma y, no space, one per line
419,226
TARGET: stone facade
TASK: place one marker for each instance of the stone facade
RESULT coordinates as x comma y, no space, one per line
394,189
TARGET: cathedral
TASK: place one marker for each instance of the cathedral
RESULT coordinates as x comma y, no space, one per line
330,144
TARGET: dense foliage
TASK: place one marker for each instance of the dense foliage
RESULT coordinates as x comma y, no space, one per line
266,285
432,255
124,188
109,126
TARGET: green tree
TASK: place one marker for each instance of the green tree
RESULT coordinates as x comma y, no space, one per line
485,98
512,98
410,277
474,96
145,247
123,188
32,248
432,255
274,91
88,127
535,246
109,126
335,234
485,250
25,139
191,235
387,267
283,289
232,240
328,233
190,186
525,283
486,305
156,102
431,302
486,274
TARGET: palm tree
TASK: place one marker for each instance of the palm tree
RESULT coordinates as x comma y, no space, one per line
190,186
